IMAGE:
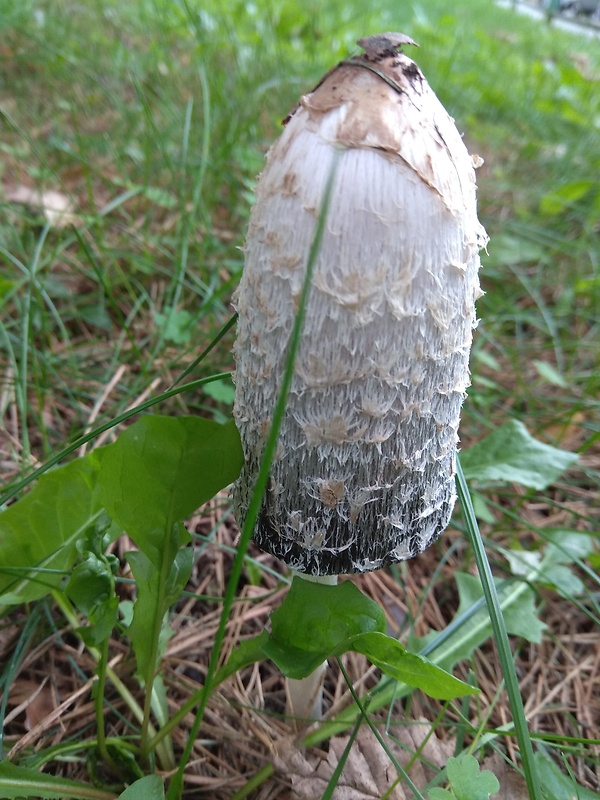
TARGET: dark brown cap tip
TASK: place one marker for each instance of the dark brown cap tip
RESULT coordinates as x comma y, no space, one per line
382,44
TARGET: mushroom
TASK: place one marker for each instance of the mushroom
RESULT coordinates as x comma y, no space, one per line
364,473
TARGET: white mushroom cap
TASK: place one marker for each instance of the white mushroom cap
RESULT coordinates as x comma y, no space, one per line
364,472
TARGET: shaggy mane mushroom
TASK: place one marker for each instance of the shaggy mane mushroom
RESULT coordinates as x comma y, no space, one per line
364,474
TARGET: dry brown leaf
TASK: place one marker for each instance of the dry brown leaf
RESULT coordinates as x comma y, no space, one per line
512,784
56,207
42,704
8,634
34,699
368,772
431,750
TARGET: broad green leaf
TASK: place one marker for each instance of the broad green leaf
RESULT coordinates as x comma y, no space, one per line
102,623
91,583
39,534
520,618
558,200
157,473
558,786
562,578
466,781
481,508
295,662
509,249
161,470
249,651
517,600
564,546
222,391
317,618
150,787
550,374
178,575
148,612
410,668
176,327
17,783
510,453
126,612
522,562
316,621
92,588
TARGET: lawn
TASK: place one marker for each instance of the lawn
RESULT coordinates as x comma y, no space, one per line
132,135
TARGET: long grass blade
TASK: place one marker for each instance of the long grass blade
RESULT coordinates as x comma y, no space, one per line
501,637
363,711
176,785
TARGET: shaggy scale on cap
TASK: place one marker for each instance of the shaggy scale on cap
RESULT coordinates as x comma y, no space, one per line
364,471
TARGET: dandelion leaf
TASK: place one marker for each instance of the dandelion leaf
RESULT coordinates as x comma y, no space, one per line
510,453
39,534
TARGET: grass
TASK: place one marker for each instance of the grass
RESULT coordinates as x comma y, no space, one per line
152,118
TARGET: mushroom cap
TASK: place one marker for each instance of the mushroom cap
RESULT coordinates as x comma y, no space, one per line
364,471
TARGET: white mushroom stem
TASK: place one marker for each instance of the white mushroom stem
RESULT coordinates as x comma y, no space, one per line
305,696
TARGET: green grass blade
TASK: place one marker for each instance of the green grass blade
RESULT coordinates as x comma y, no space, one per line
176,786
339,767
500,635
12,667
224,330
21,782
363,712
